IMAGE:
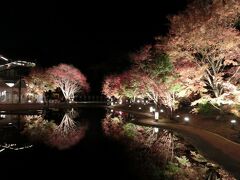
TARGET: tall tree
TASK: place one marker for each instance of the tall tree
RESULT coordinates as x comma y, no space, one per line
205,34
69,79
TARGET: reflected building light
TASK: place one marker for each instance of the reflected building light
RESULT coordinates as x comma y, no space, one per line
161,110
5,59
10,84
156,130
3,116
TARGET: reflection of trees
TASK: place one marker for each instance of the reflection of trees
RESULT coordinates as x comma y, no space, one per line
37,128
158,142
68,132
62,136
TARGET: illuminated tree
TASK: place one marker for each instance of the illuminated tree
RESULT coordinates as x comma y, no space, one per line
38,82
69,79
130,84
205,35
111,86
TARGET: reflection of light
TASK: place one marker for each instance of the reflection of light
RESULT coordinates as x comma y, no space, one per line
10,123
2,116
41,101
146,101
120,102
155,130
10,84
111,110
139,108
5,59
156,115
177,116
29,101
186,119
161,110
233,121
138,101
120,112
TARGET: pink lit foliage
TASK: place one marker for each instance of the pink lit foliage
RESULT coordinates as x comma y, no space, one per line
67,133
111,86
130,84
205,34
69,79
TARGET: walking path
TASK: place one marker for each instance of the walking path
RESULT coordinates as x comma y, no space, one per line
213,146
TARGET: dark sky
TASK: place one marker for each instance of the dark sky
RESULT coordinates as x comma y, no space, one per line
96,38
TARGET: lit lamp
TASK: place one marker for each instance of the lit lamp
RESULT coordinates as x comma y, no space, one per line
156,115
155,130
233,122
161,110
138,101
186,119
139,108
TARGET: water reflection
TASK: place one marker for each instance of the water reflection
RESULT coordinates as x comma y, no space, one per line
61,135
14,147
159,153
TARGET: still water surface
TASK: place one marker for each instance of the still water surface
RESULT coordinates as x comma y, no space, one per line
63,143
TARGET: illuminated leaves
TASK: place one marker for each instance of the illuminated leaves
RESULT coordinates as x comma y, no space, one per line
69,79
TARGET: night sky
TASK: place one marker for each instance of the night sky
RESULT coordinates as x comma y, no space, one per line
96,38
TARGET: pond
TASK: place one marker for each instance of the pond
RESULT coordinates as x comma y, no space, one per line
90,142
69,141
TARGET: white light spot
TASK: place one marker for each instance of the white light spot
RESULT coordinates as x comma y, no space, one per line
186,119
233,121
